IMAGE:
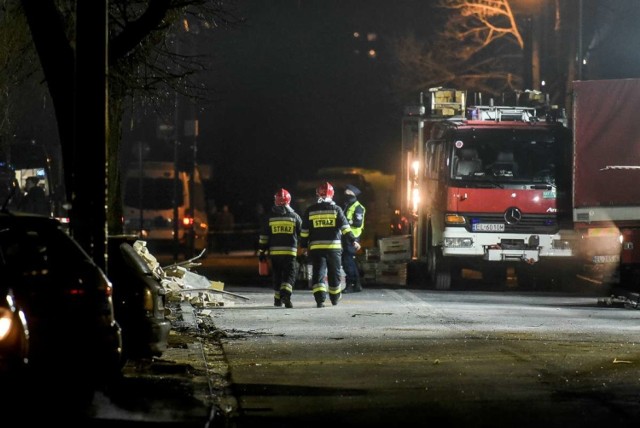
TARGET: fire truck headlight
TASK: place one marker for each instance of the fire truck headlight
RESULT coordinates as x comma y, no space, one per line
561,244
458,242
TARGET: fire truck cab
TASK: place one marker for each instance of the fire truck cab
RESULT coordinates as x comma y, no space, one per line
485,187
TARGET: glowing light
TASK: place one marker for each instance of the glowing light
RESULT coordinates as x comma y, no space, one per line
416,167
415,199
5,323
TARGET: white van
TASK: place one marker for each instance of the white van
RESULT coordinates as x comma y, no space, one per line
149,205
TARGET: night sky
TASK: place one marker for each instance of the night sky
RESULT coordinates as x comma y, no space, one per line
298,92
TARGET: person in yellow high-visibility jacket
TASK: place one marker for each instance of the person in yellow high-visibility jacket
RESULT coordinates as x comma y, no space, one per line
354,211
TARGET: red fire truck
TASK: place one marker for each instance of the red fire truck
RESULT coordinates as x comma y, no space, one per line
486,188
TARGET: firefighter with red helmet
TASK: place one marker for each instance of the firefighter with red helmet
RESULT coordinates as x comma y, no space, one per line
323,227
279,233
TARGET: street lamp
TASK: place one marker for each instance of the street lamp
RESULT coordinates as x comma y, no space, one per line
580,59
141,151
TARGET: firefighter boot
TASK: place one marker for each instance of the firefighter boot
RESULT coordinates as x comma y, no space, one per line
286,299
320,297
357,287
350,288
335,299
277,302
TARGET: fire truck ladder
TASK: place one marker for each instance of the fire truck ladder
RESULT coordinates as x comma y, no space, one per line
503,113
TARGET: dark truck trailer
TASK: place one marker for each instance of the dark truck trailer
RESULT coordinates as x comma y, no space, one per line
606,178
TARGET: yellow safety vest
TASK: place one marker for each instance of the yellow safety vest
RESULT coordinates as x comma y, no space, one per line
357,231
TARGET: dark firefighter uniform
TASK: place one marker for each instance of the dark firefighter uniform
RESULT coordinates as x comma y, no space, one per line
354,211
323,226
279,236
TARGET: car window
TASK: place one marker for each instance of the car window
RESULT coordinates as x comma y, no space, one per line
37,250
19,250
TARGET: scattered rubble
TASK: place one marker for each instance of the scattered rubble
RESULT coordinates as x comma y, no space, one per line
183,285
632,301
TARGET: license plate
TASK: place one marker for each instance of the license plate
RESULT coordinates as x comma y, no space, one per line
487,227
606,259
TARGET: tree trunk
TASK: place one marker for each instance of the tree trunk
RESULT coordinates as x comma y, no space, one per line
114,187
57,61
88,214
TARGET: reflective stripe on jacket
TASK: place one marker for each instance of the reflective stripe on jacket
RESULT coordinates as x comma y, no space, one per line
279,232
323,226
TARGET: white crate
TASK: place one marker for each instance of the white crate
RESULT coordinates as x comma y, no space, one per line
395,248
391,268
369,267
393,273
372,254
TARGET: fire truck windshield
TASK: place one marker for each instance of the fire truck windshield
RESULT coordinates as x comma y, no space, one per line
485,158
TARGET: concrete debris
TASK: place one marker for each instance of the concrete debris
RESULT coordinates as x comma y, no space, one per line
182,285
628,302
150,259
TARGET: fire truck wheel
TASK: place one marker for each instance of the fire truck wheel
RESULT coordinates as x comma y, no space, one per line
431,267
442,272
438,269
443,280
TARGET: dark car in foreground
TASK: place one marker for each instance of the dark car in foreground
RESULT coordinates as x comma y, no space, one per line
139,300
14,336
66,299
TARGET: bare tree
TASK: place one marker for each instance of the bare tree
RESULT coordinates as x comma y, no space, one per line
146,63
141,63
18,68
480,23
479,48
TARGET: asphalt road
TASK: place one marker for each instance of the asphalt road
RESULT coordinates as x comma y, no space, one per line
398,356
391,356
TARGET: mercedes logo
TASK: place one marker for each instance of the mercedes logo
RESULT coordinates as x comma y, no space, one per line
512,215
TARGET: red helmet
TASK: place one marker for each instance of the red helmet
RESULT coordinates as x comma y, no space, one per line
282,197
325,190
